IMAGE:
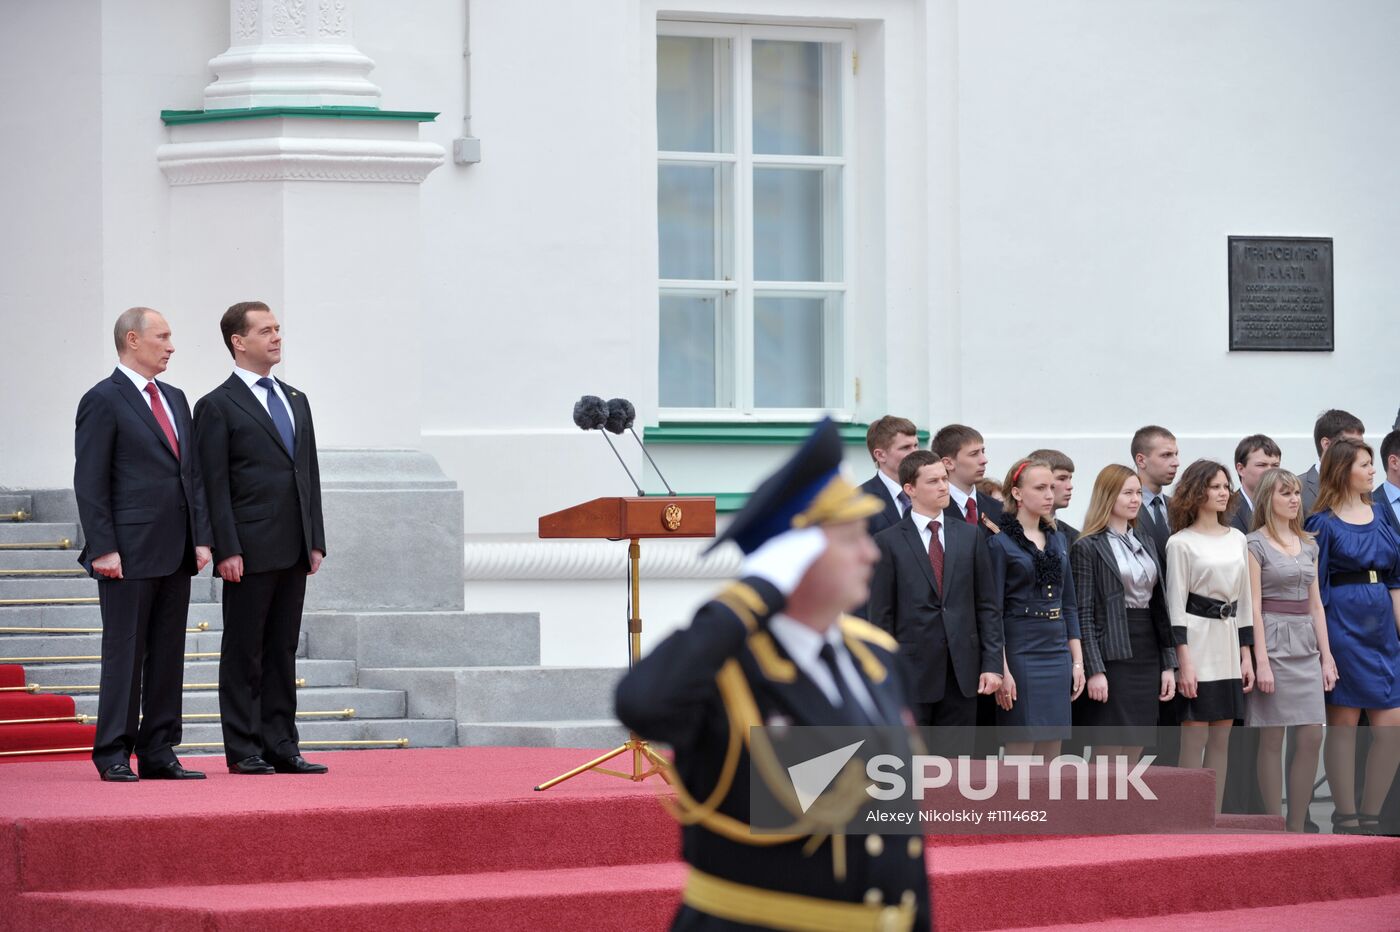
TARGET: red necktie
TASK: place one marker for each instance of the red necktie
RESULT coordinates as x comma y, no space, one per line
972,508
158,410
935,554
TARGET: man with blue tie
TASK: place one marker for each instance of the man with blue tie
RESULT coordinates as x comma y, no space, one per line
141,504
1387,495
257,446
1156,458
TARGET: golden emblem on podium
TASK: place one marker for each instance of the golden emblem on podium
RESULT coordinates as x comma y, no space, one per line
671,517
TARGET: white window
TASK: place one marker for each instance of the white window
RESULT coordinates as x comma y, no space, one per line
754,190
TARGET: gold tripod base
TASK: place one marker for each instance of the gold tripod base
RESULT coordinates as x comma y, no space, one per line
642,757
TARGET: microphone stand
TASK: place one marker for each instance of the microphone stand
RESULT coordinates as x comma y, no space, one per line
640,493
633,432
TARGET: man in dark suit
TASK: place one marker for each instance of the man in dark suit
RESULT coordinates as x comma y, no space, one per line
1254,456
1330,426
1156,458
774,649
1387,494
1062,468
933,592
889,440
257,447
964,453
141,504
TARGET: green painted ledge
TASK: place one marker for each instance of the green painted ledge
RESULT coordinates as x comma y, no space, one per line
725,502
180,117
742,432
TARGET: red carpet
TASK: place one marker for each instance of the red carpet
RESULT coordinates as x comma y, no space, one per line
457,839
40,736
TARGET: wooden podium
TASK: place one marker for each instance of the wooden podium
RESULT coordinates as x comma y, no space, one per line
630,518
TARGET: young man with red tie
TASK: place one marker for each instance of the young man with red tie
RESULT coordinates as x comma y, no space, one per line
964,453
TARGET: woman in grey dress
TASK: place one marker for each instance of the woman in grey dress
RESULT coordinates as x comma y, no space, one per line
1293,665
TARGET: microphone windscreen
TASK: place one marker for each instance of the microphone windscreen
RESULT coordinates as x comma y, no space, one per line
590,412
621,414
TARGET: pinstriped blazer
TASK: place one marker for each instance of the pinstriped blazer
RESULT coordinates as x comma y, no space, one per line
1103,605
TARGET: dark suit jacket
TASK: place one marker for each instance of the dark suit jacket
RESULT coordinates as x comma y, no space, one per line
1243,515
890,516
263,503
987,507
134,496
1149,529
1103,607
964,620
1383,506
1309,480
1070,532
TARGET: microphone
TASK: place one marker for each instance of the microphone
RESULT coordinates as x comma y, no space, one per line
621,415
591,413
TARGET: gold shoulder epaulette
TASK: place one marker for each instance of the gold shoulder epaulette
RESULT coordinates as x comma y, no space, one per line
864,630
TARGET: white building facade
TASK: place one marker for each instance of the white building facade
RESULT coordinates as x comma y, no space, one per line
737,214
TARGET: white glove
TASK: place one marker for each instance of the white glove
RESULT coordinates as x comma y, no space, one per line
785,559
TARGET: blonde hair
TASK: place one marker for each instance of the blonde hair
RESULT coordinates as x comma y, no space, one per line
1107,487
1272,482
1014,475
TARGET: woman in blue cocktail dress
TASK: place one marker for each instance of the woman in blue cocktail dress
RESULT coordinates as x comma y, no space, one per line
1359,577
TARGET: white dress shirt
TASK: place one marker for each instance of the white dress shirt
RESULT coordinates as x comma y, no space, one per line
804,645
260,393
960,499
923,523
140,381
895,490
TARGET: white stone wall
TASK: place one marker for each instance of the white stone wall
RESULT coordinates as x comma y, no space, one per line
1042,187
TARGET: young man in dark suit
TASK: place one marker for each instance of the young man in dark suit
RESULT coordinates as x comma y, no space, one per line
889,440
1156,458
1331,425
1062,468
1254,456
257,447
141,504
1387,494
964,453
933,592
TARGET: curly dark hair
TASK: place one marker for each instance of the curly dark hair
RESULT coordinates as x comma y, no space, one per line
1190,495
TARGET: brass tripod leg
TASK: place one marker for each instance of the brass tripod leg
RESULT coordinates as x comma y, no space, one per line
642,754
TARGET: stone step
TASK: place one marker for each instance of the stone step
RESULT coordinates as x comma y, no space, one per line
315,672
367,703
29,532
597,733
201,588
90,616
40,560
11,502
501,694
420,732
425,639
70,645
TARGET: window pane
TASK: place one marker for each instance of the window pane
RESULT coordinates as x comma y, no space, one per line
686,104
796,104
796,224
690,199
790,351
694,351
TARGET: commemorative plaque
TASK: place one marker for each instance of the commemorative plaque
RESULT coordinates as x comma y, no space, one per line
1280,293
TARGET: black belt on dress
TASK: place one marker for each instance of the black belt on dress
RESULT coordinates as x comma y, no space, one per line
1362,577
1206,607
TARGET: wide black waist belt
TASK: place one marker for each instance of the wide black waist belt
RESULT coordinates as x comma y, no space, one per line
1361,577
1206,607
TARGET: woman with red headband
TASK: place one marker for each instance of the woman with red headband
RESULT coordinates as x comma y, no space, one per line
1044,667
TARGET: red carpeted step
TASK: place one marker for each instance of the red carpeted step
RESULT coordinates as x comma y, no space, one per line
1241,822
1091,879
11,674
1378,913
36,737
34,705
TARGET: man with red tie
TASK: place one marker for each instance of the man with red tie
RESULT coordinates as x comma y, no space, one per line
964,453
257,447
141,504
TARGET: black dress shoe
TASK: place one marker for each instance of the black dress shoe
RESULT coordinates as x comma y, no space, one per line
254,765
119,773
298,764
171,771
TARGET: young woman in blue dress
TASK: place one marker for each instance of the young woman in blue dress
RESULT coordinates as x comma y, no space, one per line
1359,578
1031,571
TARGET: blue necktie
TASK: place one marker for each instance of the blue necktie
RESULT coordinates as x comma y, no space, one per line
280,420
